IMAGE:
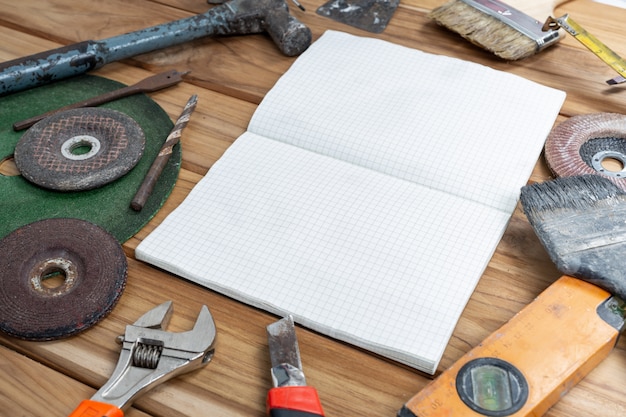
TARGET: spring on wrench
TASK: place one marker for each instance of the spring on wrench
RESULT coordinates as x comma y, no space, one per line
147,355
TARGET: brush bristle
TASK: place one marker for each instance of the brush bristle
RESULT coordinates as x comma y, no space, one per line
485,31
581,222
577,192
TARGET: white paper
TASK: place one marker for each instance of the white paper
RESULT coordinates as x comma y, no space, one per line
367,196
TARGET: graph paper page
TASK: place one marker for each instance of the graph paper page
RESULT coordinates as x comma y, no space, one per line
337,228
449,124
350,252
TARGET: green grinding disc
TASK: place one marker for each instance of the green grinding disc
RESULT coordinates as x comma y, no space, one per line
22,202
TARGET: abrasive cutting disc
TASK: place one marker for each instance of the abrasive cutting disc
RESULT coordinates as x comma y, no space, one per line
582,144
23,202
58,277
79,149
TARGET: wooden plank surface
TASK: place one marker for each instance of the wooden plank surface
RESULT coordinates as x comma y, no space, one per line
231,76
36,389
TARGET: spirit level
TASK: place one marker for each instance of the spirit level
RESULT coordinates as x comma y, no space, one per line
523,368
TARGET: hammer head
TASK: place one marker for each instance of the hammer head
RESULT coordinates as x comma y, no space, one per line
272,16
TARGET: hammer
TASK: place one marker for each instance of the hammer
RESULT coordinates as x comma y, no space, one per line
233,17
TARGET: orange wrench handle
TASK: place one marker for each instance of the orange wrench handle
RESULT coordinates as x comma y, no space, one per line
90,408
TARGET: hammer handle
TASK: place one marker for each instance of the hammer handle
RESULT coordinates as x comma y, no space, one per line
235,17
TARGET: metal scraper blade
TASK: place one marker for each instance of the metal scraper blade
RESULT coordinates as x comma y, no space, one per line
370,15
285,353
283,343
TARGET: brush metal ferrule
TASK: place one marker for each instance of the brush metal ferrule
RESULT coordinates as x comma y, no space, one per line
518,20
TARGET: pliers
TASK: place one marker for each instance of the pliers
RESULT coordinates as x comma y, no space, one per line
290,397
150,356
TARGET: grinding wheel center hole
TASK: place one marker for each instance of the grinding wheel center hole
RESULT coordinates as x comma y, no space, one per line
80,147
53,277
611,163
8,167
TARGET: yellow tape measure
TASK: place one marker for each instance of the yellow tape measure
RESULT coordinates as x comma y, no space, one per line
592,43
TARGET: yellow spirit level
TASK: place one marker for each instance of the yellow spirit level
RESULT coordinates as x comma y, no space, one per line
523,368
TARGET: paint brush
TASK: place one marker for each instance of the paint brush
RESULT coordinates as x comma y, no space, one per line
581,221
505,29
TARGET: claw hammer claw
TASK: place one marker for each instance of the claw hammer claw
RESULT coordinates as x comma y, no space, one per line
150,355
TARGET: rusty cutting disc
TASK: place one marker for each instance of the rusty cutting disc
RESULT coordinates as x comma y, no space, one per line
582,144
79,149
58,277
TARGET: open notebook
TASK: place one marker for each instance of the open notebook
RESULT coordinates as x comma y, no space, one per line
367,196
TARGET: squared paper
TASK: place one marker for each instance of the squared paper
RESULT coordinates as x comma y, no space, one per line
367,196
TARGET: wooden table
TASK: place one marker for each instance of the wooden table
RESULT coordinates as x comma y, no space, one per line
231,76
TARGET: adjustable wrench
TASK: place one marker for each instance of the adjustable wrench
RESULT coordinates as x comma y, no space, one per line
150,356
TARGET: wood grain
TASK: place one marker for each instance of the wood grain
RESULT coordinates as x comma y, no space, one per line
28,388
231,76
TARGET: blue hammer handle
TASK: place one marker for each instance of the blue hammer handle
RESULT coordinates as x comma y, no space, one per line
235,17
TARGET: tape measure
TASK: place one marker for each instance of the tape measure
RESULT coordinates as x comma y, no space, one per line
592,43
523,368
